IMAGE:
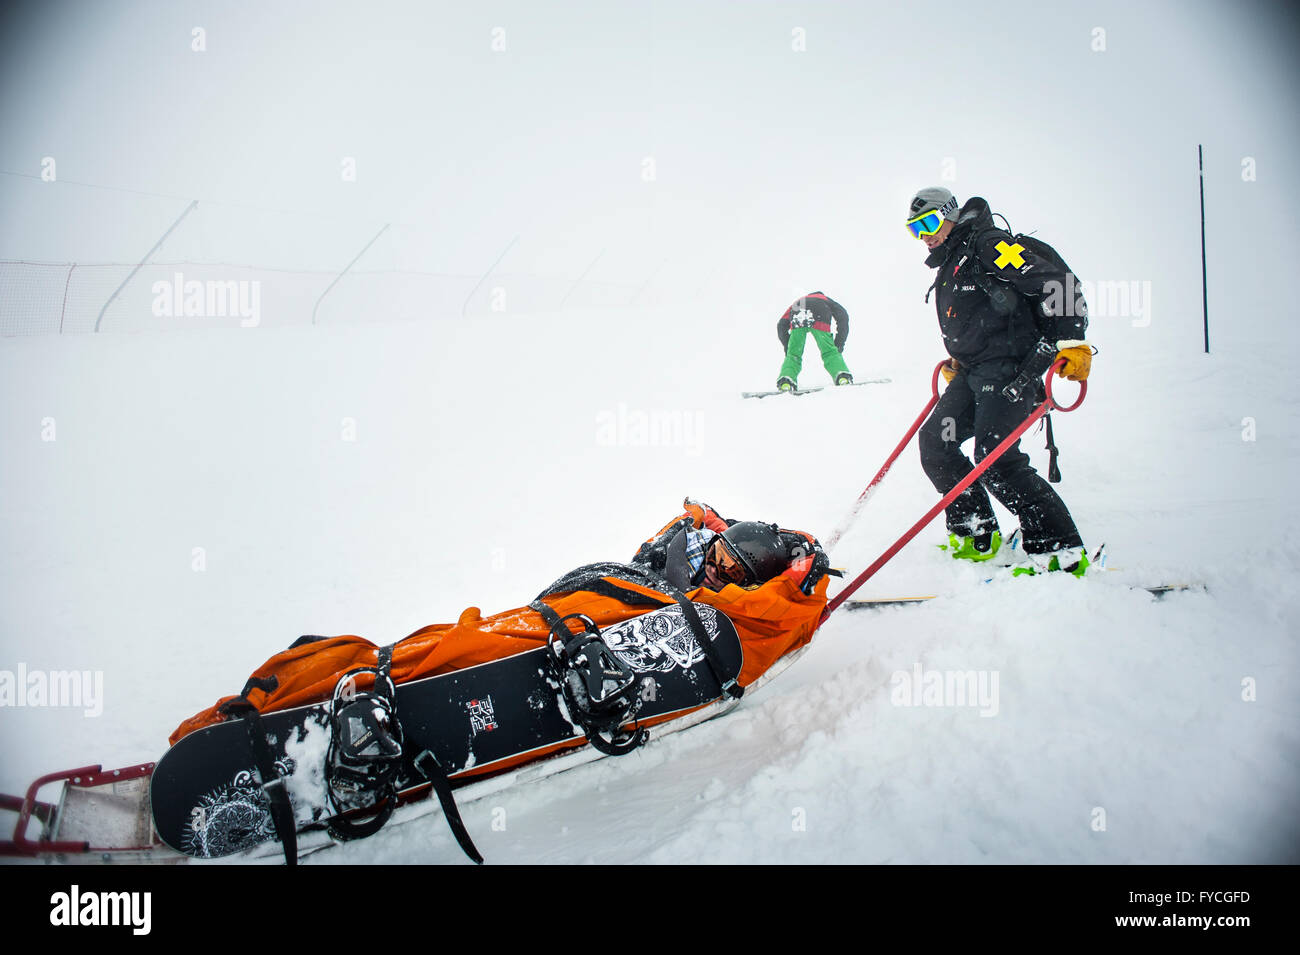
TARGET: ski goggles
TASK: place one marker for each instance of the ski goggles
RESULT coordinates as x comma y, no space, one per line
725,562
927,223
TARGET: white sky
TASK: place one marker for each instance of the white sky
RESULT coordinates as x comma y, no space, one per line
775,169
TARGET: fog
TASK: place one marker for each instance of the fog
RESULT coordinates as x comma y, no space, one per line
692,151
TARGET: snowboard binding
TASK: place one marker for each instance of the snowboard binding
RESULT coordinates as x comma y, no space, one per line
365,752
601,691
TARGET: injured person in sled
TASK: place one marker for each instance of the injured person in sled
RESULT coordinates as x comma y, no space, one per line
769,582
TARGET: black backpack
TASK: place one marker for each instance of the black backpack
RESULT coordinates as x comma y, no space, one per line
1001,292
997,290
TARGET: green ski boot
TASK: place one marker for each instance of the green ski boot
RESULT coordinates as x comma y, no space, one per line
1066,561
964,548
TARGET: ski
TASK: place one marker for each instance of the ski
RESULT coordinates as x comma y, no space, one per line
808,391
767,394
1157,590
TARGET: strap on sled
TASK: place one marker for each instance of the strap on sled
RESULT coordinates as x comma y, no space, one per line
432,770
272,781
1053,472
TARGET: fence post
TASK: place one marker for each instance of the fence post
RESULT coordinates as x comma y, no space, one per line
63,309
345,271
188,210
1205,294
578,280
644,285
509,246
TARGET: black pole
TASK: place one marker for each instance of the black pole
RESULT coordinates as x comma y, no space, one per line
1205,298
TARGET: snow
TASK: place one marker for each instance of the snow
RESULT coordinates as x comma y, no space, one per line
182,498
308,750
1113,709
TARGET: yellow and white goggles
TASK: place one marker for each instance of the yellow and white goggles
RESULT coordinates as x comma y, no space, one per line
927,223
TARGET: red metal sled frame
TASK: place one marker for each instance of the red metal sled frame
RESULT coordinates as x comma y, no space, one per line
85,777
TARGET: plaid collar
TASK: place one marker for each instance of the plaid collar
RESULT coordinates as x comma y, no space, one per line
697,542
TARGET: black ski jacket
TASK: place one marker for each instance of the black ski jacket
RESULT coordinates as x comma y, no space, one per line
821,309
995,299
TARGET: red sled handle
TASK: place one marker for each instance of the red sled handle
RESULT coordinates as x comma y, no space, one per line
29,805
1051,399
870,489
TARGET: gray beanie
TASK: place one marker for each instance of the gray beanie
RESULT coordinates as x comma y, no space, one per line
933,197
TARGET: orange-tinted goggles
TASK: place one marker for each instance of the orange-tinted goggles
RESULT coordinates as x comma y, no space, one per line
725,563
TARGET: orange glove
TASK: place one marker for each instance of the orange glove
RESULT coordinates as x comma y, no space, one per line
949,370
702,515
1078,361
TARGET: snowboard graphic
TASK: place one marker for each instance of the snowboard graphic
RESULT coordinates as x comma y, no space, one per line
207,797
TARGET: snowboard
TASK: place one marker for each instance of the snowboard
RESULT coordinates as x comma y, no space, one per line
206,795
808,391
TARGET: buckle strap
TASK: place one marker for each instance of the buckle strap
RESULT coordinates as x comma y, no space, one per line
1053,471
272,782
428,764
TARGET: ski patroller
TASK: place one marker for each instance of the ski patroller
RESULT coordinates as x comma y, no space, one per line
1048,404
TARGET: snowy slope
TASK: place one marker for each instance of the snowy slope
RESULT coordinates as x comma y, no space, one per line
478,473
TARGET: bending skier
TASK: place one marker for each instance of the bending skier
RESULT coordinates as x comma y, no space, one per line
1006,314
813,315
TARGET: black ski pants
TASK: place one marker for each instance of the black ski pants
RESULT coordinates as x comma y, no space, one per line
973,407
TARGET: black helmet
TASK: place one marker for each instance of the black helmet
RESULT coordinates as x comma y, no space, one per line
759,549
